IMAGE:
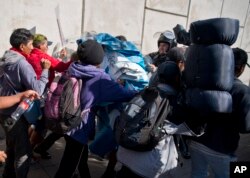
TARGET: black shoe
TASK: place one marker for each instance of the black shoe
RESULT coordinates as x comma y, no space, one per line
44,154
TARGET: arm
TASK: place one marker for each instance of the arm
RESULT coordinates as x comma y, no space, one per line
29,78
8,101
56,64
111,91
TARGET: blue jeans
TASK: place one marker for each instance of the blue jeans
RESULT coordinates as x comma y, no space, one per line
203,157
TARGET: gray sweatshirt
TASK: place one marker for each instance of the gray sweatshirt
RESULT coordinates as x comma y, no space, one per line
20,77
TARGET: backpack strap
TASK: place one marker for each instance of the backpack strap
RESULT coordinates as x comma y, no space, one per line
164,110
9,82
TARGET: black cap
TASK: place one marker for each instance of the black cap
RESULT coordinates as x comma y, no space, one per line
90,52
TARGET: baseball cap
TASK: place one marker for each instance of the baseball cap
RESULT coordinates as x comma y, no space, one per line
39,38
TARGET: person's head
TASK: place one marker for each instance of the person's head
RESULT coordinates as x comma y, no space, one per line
177,55
41,42
22,39
240,61
90,52
169,73
166,41
74,57
121,37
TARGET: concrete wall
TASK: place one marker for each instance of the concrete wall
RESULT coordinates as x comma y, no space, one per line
140,21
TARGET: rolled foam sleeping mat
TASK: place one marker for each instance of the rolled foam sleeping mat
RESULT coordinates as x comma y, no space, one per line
208,101
209,67
216,30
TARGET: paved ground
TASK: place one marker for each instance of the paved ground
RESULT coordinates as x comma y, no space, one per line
47,168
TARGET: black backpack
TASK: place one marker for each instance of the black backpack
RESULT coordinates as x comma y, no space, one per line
140,125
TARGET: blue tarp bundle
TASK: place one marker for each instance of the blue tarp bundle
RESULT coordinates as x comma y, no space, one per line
122,60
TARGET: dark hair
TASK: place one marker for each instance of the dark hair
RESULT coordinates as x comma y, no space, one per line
20,36
121,37
176,54
240,60
240,56
74,57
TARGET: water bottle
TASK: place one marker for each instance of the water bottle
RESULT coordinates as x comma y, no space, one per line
22,107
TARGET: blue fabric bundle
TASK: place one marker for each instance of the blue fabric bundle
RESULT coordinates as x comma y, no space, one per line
122,60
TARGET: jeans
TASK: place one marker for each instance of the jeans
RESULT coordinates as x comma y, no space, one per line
75,157
203,157
18,149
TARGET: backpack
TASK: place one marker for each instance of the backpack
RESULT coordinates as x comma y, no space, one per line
140,125
62,106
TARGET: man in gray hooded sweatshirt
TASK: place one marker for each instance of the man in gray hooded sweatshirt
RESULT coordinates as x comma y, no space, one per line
17,75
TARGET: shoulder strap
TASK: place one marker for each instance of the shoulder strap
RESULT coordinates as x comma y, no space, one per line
9,82
163,112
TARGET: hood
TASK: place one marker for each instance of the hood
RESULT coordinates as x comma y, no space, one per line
84,71
166,90
9,57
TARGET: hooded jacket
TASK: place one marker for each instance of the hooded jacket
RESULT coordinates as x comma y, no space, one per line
97,87
56,65
21,76
223,130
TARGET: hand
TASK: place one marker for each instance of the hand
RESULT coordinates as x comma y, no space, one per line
121,82
63,53
31,94
45,63
152,67
3,156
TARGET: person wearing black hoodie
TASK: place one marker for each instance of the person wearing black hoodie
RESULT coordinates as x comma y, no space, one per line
216,148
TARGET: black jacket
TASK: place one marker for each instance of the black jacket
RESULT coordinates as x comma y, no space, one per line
222,130
158,58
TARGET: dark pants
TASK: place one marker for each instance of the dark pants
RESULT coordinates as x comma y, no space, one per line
48,142
18,150
75,156
126,173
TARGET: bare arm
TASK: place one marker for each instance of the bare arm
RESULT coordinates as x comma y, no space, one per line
8,101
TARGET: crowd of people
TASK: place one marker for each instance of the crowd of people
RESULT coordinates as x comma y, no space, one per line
27,71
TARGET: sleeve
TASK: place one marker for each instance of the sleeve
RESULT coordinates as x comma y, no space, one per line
29,78
57,65
111,91
241,106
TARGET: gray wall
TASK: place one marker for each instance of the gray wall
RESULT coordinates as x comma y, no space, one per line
138,20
